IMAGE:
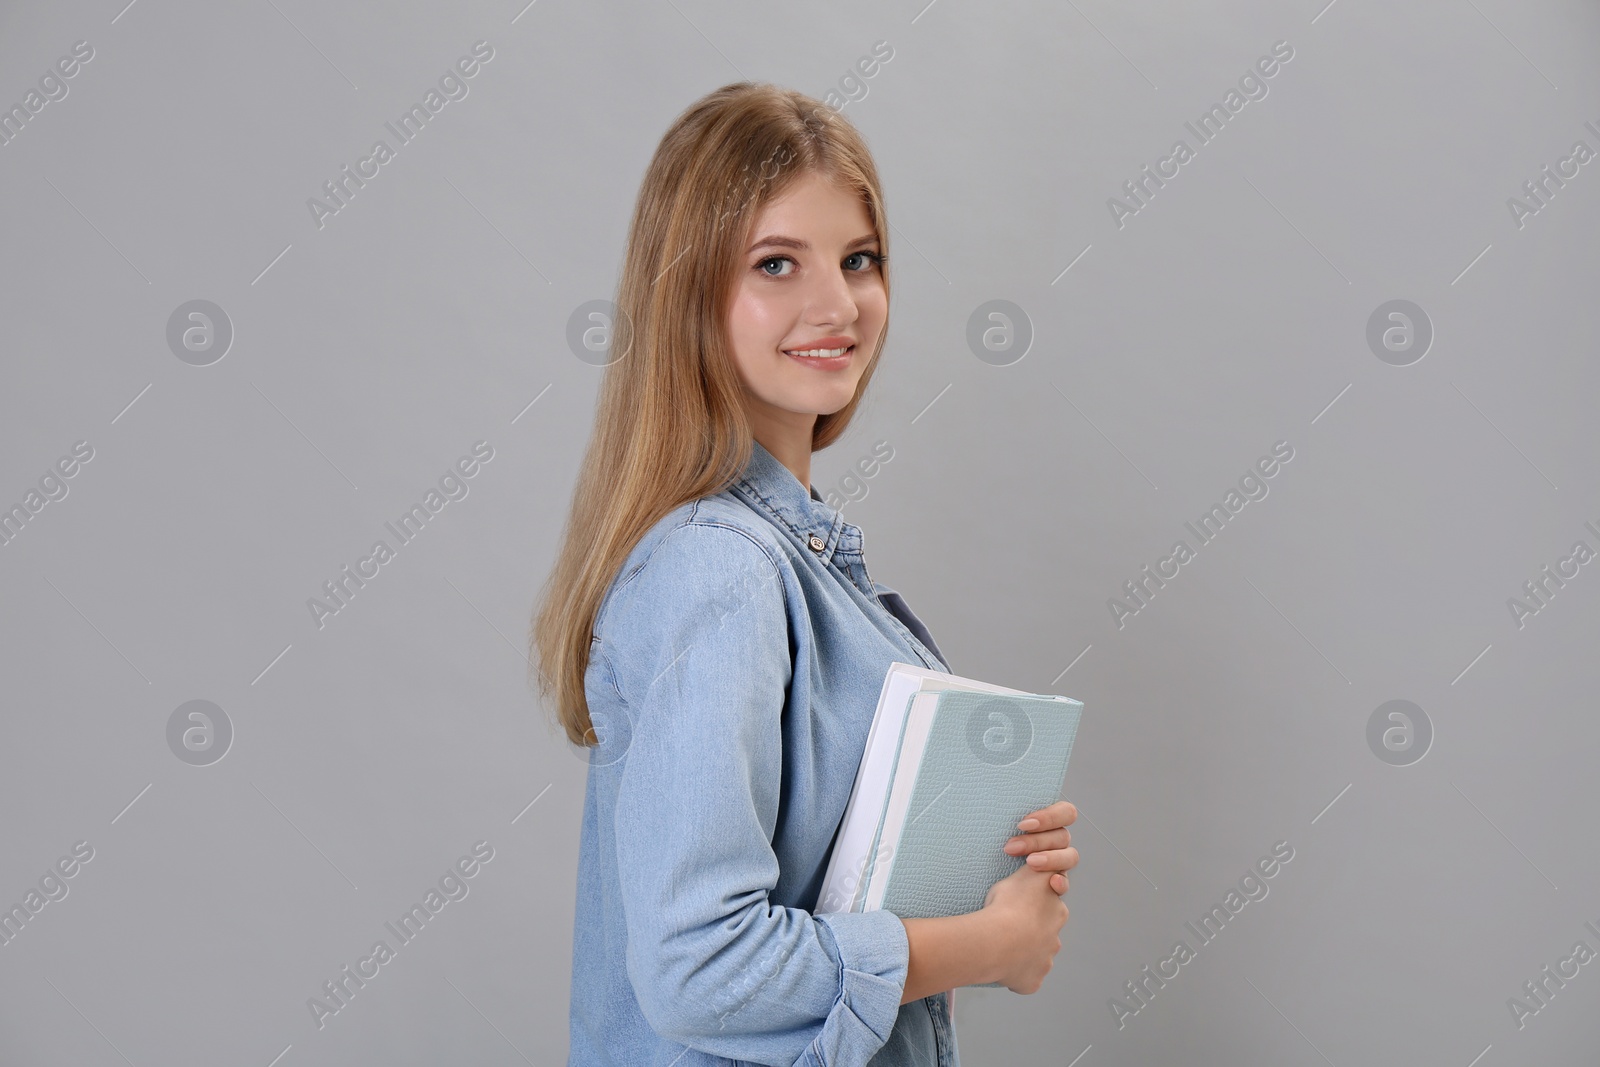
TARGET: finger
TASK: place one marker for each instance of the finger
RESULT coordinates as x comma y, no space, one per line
1054,823
1058,882
1038,840
1061,859
1058,814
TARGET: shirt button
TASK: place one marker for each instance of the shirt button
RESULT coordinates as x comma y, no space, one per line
817,543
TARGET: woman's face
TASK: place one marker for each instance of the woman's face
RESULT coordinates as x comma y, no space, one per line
809,280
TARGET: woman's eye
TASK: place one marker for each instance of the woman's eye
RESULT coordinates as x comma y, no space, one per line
762,266
864,262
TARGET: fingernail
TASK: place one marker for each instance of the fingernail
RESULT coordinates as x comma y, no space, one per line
1028,824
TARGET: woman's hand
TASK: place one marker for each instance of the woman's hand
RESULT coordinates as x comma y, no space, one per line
1046,841
1024,916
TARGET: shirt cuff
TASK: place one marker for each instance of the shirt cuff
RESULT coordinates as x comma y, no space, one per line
873,956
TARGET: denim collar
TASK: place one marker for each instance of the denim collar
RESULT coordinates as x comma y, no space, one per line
771,488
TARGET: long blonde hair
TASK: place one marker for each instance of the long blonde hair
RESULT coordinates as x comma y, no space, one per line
670,425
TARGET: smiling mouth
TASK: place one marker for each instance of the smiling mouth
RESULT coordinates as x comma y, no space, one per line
819,353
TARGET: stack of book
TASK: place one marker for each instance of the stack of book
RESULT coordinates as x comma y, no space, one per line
951,766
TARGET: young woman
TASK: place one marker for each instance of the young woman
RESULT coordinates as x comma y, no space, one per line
711,631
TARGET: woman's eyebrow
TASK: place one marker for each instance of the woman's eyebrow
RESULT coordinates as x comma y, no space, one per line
780,241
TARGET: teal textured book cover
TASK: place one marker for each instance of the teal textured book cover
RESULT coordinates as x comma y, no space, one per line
990,759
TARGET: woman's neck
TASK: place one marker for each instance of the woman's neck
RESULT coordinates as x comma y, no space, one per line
790,448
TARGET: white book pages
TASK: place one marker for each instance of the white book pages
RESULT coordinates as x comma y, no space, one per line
919,723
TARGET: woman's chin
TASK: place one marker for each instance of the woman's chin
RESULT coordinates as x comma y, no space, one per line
834,400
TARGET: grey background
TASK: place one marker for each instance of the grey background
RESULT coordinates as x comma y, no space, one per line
370,354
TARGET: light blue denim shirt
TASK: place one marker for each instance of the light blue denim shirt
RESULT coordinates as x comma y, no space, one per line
734,670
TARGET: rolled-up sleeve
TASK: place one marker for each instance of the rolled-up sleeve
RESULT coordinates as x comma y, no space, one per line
698,644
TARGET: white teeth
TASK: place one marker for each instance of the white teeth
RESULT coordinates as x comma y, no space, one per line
819,353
